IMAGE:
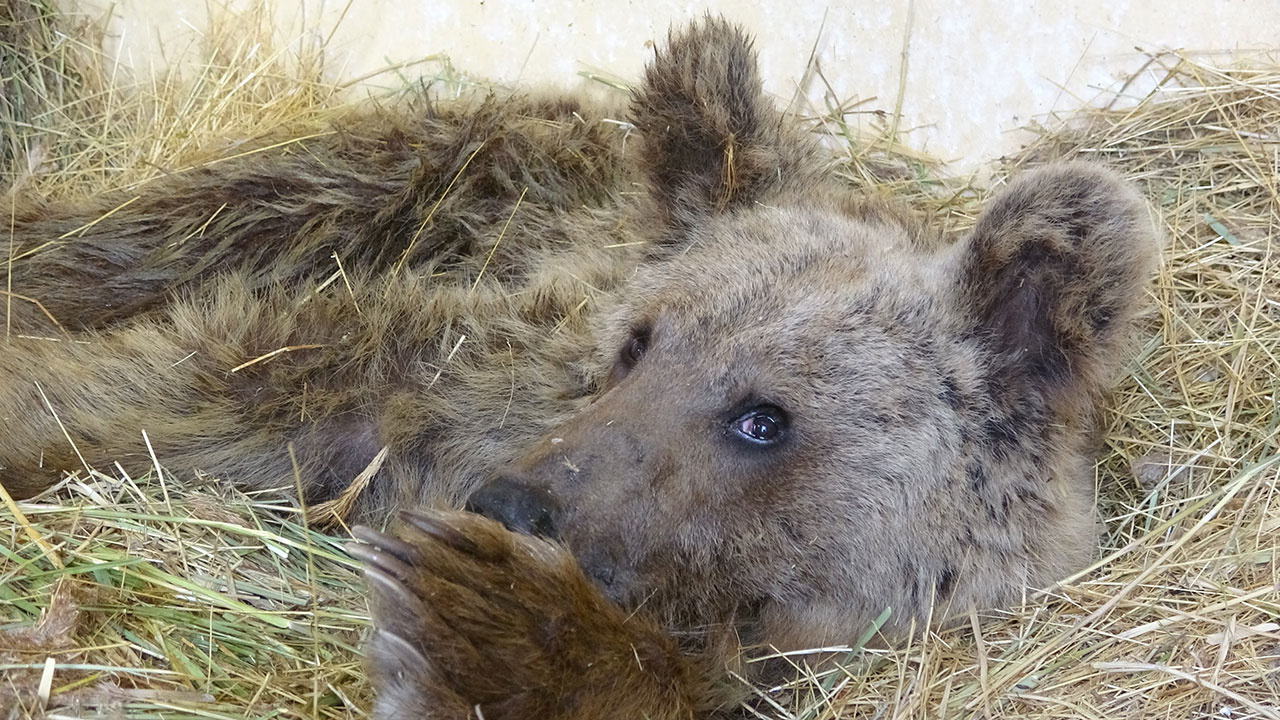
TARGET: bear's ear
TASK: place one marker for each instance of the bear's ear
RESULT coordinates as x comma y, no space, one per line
712,140
1052,275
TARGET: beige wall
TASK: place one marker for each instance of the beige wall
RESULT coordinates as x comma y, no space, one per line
977,71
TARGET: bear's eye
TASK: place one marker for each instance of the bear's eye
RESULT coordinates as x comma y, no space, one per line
635,348
632,350
762,425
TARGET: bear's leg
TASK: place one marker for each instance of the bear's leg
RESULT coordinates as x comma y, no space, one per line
226,384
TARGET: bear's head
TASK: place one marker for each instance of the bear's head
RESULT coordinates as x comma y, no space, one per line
809,412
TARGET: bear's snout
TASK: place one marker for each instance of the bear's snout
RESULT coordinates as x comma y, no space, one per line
517,505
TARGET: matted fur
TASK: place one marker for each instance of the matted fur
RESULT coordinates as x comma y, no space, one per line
936,402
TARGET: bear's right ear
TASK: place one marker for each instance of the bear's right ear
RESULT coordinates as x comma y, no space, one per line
1051,277
712,140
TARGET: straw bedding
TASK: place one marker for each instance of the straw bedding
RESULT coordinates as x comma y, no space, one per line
135,597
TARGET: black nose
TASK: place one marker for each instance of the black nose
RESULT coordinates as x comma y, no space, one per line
522,508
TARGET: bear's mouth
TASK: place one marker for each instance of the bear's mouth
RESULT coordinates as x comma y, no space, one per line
621,584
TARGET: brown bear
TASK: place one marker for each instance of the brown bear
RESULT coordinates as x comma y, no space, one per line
719,399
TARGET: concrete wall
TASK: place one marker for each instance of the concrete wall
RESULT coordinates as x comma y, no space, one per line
977,70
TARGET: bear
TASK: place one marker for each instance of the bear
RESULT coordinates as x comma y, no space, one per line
643,393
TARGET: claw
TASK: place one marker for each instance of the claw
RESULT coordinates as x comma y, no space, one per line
402,649
392,545
434,526
387,584
375,558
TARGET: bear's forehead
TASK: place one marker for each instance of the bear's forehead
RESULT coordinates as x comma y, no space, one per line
780,247
790,290
795,230
801,327
795,288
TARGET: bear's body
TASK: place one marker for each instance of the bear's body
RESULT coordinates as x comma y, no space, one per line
747,404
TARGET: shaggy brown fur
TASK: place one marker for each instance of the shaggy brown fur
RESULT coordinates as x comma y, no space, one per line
206,270
747,407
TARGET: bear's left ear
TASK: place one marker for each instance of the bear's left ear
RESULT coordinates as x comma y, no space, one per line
712,140
1052,275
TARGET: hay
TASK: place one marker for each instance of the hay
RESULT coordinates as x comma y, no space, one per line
38,75
156,600
73,122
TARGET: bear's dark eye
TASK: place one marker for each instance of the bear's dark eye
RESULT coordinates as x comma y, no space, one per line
762,425
632,350
635,349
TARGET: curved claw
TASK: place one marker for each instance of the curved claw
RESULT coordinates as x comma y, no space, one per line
376,557
435,526
388,584
390,544
400,648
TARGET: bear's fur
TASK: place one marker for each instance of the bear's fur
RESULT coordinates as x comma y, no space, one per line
746,406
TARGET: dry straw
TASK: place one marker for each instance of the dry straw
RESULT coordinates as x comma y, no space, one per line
134,597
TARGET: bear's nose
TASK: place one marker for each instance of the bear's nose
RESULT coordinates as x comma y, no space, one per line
520,507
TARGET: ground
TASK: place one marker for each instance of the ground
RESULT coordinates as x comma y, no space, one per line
202,602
